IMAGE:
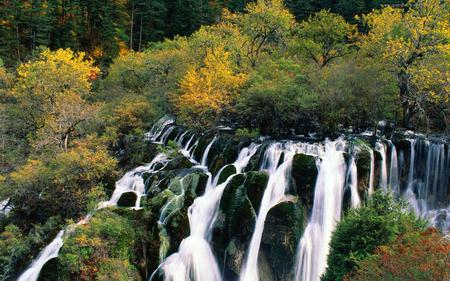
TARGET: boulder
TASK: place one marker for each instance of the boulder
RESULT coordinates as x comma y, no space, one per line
283,229
304,173
255,184
226,173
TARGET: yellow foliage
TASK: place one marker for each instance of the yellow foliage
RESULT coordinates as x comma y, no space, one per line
51,90
415,44
208,91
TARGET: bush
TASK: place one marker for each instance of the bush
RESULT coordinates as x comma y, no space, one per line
357,236
100,250
414,256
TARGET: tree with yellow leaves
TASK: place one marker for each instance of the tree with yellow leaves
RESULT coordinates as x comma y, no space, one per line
51,90
414,44
209,91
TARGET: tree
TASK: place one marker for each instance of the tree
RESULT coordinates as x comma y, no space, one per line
363,229
406,40
51,92
266,24
277,98
209,91
324,37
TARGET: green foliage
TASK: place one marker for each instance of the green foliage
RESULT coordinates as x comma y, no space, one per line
324,37
100,250
363,229
17,246
277,97
64,185
354,94
246,134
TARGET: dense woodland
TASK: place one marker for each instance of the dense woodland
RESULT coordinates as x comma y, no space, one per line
81,81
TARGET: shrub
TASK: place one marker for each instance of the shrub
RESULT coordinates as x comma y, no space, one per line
414,256
357,236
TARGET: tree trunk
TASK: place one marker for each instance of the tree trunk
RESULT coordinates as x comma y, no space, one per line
140,35
403,82
132,25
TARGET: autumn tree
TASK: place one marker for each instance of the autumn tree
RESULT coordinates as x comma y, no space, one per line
407,41
324,37
51,91
413,256
265,23
209,91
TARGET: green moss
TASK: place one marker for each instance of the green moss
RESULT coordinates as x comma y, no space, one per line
304,173
283,229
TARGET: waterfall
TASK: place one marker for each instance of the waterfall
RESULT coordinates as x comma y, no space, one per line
372,172
133,182
195,257
352,181
4,207
381,148
204,161
179,140
49,252
313,248
186,150
393,171
274,193
158,128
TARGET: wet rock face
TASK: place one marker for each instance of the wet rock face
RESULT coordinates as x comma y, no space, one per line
177,227
283,229
234,227
177,163
304,174
255,185
363,163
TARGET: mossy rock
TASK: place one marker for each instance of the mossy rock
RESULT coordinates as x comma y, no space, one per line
224,151
179,162
255,184
255,161
156,203
226,173
304,173
128,199
177,227
363,163
237,209
234,258
283,229
236,218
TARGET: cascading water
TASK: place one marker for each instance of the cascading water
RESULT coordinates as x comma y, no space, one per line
372,173
393,171
130,182
133,182
352,182
204,161
49,252
195,257
420,174
381,148
314,245
157,130
274,193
